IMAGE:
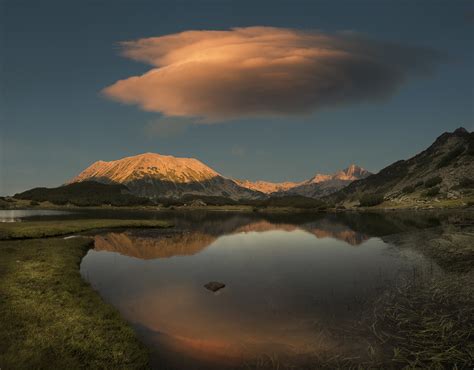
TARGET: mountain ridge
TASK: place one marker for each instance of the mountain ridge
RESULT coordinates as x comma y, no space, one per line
317,186
443,170
155,175
441,173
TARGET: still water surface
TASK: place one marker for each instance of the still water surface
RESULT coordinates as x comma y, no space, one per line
16,215
294,285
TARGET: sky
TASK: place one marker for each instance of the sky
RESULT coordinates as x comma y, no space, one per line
260,90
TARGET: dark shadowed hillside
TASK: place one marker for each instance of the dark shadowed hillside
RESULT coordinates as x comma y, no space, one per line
87,193
443,171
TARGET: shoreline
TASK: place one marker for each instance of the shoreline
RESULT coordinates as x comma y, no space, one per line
51,316
248,208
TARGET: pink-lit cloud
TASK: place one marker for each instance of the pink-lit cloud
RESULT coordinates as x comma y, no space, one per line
219,75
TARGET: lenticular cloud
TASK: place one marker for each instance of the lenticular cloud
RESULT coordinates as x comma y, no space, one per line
219,75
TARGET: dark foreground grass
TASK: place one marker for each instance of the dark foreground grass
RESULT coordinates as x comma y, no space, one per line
428,324
50,318
424,322
41,229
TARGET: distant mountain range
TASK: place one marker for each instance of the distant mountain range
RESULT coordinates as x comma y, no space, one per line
445,170
158,176
317,186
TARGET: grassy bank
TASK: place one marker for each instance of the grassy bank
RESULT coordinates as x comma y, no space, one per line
41,229
51,318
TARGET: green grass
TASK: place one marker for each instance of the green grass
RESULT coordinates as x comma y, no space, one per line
41,229
50,317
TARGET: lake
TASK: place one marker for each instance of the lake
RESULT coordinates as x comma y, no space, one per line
16,215
296,286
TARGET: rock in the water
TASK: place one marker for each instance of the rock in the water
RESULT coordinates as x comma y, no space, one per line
214,286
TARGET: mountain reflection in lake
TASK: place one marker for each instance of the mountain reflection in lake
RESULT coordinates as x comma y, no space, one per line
292,288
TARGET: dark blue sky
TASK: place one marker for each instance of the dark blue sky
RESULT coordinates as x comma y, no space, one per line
57,56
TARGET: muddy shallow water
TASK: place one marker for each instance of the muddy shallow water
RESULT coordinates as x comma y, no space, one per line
295,285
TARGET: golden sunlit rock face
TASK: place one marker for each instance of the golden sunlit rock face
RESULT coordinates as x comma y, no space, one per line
217,75
318,185
183,170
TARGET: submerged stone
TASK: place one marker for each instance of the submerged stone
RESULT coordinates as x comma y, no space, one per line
214,286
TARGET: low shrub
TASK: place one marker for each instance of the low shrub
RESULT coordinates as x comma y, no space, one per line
470,146
466,182
431,192
451,156
370,200
408,189
419,183
59,202
433,181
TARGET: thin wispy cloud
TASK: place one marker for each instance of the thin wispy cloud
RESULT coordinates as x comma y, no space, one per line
221,75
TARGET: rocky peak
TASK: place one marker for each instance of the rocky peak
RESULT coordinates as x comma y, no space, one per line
443,138
354,172
461,131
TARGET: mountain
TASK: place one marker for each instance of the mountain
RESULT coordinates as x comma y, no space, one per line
317,186
321,184
444,170
87,193
160,176
157,176
267,187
